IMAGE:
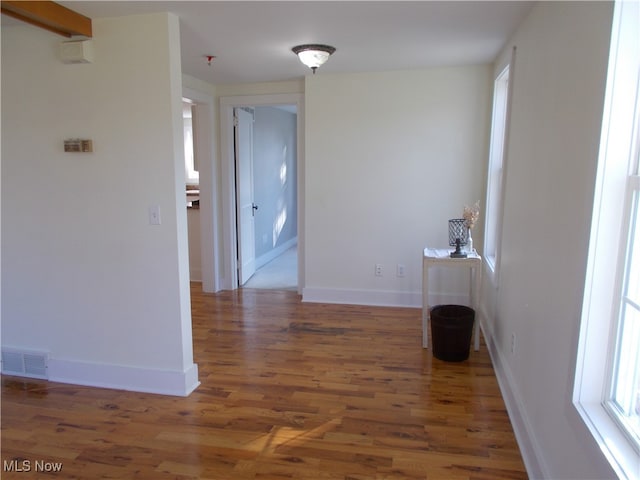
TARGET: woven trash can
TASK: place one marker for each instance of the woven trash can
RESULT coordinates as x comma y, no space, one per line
451,331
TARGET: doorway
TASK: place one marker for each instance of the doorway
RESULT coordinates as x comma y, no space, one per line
280,221
205,236
265,147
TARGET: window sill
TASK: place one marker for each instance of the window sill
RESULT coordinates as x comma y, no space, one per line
617,448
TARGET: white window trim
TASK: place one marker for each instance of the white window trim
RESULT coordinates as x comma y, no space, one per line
492,261
632,192
607,247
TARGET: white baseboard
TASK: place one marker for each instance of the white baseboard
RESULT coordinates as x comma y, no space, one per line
164,382
276,252
385,298
195,274
529,448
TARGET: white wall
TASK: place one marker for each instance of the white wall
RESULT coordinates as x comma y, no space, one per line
264,88
390,157
559,83
84,276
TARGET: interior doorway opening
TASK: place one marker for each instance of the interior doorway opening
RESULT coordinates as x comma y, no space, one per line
192,191
289,175
265,153
200,191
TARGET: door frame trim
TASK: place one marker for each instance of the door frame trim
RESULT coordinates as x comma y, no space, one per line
227,164
205,144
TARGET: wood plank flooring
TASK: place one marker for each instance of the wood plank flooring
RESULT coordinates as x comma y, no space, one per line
289,391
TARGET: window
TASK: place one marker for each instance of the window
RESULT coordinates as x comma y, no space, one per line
607,386
623,401
495,177
191,164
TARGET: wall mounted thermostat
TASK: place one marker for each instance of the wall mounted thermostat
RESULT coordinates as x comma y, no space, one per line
78,145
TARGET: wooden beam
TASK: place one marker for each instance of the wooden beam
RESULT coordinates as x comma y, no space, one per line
50,16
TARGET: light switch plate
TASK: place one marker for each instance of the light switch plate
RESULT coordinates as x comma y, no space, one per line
154,215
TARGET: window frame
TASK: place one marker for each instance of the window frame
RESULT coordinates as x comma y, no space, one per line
609,238
496,174
628,233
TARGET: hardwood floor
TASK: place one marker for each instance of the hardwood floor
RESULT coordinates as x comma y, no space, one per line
289,391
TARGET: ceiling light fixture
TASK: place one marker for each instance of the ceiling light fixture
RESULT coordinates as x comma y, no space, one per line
313,55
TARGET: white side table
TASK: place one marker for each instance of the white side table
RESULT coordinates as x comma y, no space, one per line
440,256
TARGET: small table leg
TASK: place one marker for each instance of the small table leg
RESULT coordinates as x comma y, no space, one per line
475,264
425,304
475,302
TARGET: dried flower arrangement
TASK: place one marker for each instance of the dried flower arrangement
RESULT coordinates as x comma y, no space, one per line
471,214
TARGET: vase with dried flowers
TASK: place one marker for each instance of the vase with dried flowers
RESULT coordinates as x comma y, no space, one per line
471,215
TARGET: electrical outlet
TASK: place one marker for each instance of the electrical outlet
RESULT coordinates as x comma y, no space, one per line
378,270
400,270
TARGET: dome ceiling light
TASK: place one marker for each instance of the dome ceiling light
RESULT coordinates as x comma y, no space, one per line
313,55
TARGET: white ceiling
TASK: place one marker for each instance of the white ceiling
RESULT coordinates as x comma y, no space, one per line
252,40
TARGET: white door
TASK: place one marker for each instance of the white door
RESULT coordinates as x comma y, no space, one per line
246,208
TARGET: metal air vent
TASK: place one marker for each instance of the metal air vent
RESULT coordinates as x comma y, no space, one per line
25,364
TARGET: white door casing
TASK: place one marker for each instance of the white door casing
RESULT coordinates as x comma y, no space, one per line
209,217
228,264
